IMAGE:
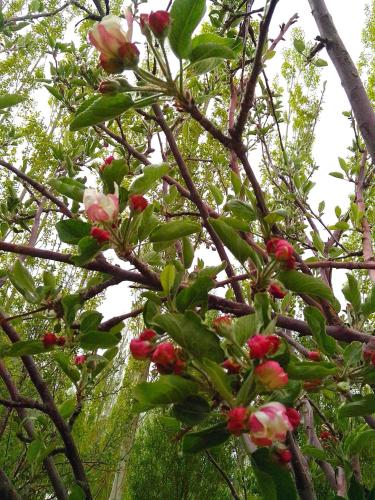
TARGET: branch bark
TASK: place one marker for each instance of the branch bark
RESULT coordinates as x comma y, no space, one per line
347,71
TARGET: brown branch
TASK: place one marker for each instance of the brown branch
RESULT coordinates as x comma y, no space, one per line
347,71
301,470
7,490
224,475
283,29
340,265
24,403
368,254
30,17
39,187
248,98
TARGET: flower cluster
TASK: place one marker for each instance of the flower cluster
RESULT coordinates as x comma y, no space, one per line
50,339
165,355
268,424
282,251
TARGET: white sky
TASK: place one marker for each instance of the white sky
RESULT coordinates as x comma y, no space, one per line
333,133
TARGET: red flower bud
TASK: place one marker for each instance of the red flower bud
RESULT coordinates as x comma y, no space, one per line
237,419
261,345
290,263
284,456
109,160
109,87
179,366
325,436
231,366
294,417
271,375
49,339
311,385
159,23
223,325
80,359
141,349
100,235
137,203
61,341
165,357
147,334
314,355
276,291
281,249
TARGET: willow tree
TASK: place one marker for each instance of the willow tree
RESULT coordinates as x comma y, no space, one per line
152,149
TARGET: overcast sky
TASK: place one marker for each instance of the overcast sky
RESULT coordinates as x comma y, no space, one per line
333,133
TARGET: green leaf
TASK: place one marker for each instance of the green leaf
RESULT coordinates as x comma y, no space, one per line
72,230
233,241
68,187
187,252
216,193
191,334
305,370
114,174
90,320
65,363
168,389
320,63
317,325
67,408
193,442
211,50
368,306
77,493
361,441
88,247
174,230
303,283
351,292
299,45
97,340
195,294
339,175
71,304
192,410
34,449
245,327
275,481
104,108
6,101
358,408
26,347
312,451
167,277
275,216
22,280
219,379
353,354
151,174
185,15
241,209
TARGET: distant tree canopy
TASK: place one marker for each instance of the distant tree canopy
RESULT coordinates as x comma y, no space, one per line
154,150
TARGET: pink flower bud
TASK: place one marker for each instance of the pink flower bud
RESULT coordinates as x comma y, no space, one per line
281,249
49,339
147,334
100,207
294,417
261,345
80,359
223,325
231,366
160,22
268,424
271,375
116,50
276,291
141,349
100,235
237,418
137,203
284,456
314,355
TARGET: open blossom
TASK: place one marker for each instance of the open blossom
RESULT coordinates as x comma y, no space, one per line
100,207
117,52
237,420
271,375
268,424
263,345
138,203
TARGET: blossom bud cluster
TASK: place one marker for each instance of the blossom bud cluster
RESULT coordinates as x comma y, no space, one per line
282,251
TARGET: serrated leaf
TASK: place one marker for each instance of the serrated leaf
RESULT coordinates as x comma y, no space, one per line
8,100
185,15
72,230
174,230
151,174
303,283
